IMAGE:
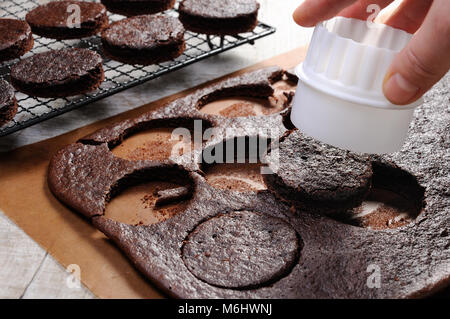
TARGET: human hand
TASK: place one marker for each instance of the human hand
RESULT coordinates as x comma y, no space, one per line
426,58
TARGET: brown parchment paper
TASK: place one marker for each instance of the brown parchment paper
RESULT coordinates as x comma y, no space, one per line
68,237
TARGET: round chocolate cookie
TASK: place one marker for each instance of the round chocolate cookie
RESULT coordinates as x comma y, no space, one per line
8,102
241,250
315,176
68,19
137,7
15,39
145,39
219,17
58,73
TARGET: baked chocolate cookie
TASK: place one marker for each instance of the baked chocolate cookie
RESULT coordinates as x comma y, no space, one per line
255,249
8,102
188,253
16,39
219,17
58,73
317,177
145,39
60,20
137,7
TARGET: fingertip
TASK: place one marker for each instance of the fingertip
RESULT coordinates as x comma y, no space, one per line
301,17
398,90
294,16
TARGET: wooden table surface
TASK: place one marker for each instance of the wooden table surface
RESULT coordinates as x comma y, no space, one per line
28,271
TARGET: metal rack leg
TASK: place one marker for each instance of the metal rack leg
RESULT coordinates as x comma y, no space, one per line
208,40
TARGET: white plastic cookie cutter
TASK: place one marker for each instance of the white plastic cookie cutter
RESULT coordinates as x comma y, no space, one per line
339,99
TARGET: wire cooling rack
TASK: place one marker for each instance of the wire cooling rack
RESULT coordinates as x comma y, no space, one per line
118,76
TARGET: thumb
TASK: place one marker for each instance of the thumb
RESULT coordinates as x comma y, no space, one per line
424,61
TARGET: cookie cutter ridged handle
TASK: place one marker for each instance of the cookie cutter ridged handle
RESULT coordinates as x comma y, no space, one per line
341,87
350,59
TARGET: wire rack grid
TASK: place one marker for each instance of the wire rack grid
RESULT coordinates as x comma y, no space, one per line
118,76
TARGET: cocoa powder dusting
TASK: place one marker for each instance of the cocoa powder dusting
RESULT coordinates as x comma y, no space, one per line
153,144
239,109
385,217
236,176
389,210
136,205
